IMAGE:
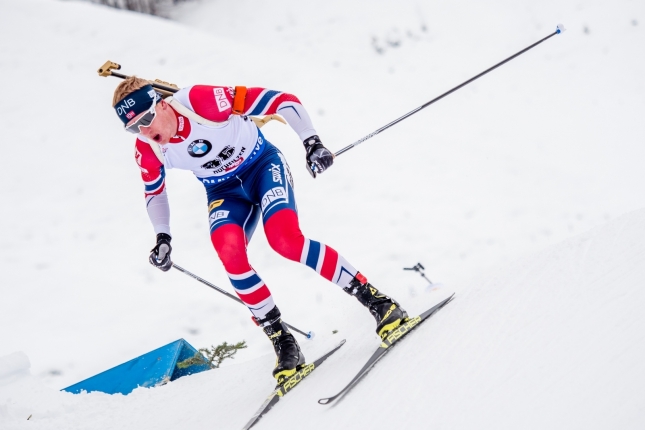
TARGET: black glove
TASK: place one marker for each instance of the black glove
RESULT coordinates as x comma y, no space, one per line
318,157
160,254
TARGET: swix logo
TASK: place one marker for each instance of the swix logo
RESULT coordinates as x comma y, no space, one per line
130,115
180,126
287,171
221,100
275,171
124,106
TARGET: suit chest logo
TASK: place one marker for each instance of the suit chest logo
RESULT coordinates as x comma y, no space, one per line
198,148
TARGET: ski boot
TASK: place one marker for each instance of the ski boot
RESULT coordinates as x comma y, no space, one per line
289,358
387,312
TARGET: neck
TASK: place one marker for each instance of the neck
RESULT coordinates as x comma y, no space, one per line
182,128
176,121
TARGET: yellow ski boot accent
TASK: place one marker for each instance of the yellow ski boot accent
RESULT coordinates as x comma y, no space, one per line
389,312
388,328
281,376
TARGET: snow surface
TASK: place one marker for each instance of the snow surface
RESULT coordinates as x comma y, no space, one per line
482,188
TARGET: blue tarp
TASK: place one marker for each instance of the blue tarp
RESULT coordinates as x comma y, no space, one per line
154,368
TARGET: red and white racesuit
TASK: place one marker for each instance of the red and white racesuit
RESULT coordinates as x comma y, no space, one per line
216,155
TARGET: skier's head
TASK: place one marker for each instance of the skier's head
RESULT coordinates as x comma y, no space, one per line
142,110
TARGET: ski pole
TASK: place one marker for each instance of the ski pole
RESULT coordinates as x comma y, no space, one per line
559,29
309,335
419,268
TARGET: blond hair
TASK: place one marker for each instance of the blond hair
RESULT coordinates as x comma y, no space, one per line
129,85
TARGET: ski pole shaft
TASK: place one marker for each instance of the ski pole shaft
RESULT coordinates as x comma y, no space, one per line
560,29
231,296
205,282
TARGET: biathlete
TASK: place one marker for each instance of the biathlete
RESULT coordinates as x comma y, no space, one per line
208,130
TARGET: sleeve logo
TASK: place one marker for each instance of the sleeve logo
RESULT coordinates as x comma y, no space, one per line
221,100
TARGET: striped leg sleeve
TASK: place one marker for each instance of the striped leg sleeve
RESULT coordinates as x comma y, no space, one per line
327,262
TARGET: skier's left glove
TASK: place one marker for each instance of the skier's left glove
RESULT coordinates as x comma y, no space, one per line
318,157
160,254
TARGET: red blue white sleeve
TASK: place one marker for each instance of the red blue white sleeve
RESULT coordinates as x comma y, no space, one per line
262,101
216,104
154,180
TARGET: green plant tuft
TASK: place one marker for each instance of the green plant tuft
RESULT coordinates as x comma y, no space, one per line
213,356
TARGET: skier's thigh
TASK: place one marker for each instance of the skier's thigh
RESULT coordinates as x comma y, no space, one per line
231,210
274,187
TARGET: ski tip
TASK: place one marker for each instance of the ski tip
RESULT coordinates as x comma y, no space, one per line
311,335
560,29
450,299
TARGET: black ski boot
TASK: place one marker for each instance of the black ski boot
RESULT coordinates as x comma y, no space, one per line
387,312
289,358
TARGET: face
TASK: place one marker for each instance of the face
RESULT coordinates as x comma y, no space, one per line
163,127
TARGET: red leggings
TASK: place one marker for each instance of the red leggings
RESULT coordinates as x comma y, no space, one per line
283,233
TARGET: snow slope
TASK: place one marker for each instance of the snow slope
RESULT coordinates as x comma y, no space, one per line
547,146
552,341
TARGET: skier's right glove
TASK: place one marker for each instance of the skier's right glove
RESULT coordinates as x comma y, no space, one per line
160,254
319,158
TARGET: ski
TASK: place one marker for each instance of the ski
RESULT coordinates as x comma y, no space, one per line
282,389
386,345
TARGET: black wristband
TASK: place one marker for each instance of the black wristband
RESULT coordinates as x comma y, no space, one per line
311,141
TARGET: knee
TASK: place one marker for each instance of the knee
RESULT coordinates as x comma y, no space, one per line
230,244
288,246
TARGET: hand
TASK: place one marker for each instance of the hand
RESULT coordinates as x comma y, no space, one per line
160,254
318,157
